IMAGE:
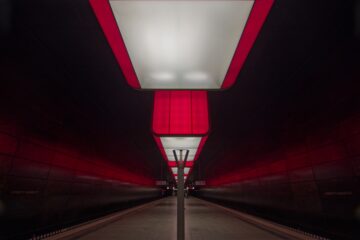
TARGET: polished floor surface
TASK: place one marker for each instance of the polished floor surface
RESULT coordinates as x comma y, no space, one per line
159,222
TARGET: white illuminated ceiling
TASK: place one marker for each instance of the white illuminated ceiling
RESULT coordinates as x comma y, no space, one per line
180,143
181,44
175,170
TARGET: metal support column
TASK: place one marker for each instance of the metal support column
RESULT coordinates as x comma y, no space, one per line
180,200
180,194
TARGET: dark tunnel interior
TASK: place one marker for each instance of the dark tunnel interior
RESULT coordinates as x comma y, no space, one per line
76,141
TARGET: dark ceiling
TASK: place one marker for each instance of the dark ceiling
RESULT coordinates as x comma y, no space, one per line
58,71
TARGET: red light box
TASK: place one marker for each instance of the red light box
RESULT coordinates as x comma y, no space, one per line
180,113
180,122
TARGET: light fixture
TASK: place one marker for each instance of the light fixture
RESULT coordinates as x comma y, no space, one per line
181,44
180,122
174,143
180,113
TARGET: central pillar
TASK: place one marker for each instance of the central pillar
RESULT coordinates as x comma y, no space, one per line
180,199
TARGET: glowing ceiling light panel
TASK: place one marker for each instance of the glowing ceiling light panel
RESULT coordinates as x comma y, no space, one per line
180,143
181,44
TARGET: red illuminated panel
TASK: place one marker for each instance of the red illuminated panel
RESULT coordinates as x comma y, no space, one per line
187,164
199,111
108,24
259,12
180,113
161,114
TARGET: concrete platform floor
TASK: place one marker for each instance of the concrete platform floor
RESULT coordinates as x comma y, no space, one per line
203,222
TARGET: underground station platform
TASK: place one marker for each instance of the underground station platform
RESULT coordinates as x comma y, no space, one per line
179,119
203,220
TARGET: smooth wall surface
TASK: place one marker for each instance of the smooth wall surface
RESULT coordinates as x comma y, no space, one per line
69,145
312,184
46,185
